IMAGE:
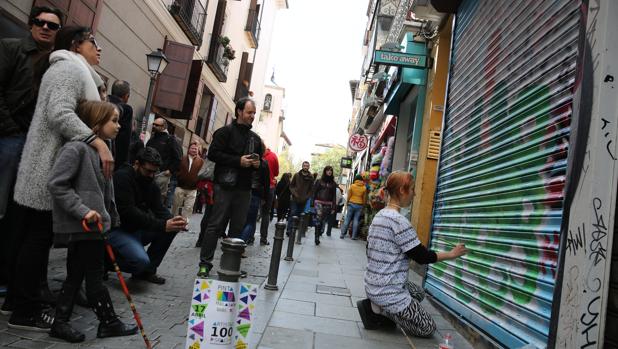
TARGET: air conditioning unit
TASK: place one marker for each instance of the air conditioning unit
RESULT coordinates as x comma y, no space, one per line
423,9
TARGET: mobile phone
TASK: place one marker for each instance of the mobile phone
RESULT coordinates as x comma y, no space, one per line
254,156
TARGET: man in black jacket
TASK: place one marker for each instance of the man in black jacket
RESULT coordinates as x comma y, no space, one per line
22,64
170,152
234,150
121,90
143,218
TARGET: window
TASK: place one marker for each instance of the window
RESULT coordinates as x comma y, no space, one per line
268,101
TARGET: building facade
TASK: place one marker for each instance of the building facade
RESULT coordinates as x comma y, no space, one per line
510,132
218,51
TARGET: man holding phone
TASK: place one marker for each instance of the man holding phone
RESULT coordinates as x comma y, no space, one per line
144,219
234,150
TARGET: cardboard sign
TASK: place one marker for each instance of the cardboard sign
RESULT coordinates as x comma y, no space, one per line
221,314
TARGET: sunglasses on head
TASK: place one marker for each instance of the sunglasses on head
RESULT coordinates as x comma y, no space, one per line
41,23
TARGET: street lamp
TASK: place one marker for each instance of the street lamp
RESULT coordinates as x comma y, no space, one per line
156,64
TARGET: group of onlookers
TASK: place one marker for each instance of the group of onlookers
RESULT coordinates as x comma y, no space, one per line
70,161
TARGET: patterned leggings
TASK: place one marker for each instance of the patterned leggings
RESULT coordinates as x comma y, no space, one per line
414,319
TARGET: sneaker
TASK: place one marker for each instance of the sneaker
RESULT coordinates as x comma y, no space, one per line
154,278
39,322
243,274
250,242
7,308
203,272
264,243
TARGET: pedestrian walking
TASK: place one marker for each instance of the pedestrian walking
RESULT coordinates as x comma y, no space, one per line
391,243
260,187
301,186
70,79
186,191
356,199
234,150
332,218
283,196
81,192
170,152
269,197
324,200
23,61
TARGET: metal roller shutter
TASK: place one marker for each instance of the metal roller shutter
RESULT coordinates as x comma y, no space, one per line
503,165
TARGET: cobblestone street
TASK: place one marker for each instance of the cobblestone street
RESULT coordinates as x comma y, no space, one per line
314,307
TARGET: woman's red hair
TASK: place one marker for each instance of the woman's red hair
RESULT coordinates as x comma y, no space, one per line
396,181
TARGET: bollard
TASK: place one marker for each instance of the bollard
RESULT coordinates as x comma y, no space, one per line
273,272
297,227
304,224
229,269
288,256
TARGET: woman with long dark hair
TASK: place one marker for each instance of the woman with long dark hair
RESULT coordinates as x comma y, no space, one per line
70,79
283,196
324,200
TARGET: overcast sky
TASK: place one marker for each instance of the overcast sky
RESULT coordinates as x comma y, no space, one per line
316,50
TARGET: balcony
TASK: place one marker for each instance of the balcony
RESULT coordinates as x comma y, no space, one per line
191,17
252,29
219,64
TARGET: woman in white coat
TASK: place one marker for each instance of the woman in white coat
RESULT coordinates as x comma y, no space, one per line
69,79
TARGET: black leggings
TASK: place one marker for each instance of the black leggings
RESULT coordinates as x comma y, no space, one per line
85,261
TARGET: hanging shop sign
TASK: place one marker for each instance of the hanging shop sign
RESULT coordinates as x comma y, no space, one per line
346,162
358,142
400,59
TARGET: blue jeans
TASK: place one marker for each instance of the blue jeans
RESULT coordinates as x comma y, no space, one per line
250,224
354,212
132,257
10,154
295,210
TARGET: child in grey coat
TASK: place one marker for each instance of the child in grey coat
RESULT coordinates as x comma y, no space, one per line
81,192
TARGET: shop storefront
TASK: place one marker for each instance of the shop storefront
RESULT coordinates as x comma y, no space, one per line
513,154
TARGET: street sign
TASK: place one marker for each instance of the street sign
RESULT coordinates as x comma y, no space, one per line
346,162
400,59
358,142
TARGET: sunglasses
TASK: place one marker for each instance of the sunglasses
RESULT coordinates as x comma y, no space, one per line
93,41
50,25
158,125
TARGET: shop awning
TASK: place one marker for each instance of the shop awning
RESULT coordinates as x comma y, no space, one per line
388,129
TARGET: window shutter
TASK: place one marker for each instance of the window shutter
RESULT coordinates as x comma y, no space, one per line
251,18
172,85
77,12
216,29
192,96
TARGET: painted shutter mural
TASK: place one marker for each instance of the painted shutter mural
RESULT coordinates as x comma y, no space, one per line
503,165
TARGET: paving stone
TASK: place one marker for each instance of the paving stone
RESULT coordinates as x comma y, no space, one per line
30,344
337,312
286,338
323,340
315,324
296,307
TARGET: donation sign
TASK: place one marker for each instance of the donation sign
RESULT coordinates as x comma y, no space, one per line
221,314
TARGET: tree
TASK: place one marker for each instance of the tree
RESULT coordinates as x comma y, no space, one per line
330,157
287,164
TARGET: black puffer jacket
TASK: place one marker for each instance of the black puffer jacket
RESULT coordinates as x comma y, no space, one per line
231,142
20,77
169,150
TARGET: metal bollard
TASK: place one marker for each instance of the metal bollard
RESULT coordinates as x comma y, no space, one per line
297,229
273,272
294,233
229,269
304,224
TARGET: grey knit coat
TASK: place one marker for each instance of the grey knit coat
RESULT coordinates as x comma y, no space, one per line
68,80
77,186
